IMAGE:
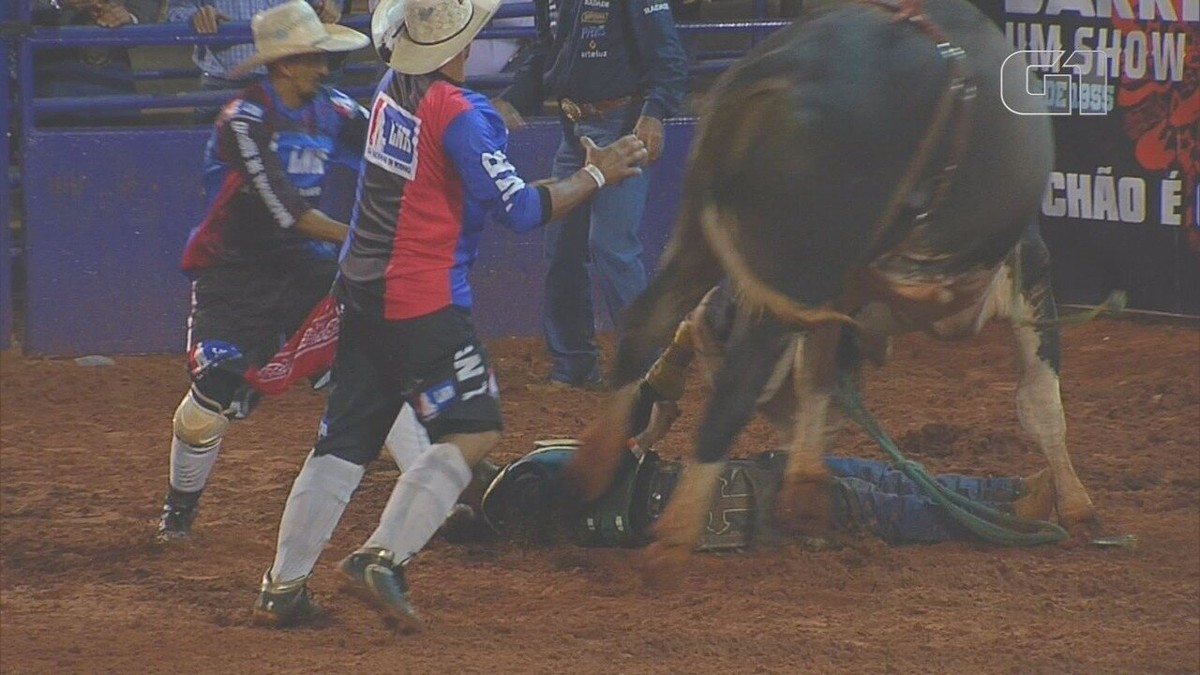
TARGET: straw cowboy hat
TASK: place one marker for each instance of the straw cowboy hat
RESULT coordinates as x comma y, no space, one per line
419,36
293,28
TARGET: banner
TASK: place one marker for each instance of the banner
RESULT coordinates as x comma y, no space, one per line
1122,78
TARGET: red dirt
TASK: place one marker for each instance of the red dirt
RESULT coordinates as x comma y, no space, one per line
85,590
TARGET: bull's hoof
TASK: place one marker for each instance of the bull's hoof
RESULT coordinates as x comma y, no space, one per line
1084,531
663,564
803,506
1037,497
1071,515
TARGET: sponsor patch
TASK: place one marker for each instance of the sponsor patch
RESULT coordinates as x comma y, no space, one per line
392,137
206,354
594,17
435,399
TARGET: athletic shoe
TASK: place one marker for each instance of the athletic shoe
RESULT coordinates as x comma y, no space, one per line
374,575
280,605
176,521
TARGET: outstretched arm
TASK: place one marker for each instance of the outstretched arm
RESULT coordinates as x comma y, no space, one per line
476,140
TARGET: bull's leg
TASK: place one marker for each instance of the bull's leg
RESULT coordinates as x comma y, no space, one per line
749,362
1039,405
688,272
803,503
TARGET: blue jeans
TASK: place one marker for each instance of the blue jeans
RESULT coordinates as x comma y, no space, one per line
601,234
875,495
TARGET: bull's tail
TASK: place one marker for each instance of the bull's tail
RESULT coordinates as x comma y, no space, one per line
754,293
762,108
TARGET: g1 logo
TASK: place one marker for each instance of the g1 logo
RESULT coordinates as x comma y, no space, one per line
1051,85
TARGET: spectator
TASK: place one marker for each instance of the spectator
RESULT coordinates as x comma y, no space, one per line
215,63
615,68
88,71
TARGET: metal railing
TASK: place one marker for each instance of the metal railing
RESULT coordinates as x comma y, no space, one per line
30,107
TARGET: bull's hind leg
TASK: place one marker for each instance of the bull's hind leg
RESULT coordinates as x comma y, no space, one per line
803,503
749,362
1039,404
688,272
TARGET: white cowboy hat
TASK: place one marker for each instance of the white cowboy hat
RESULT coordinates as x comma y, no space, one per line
293,28
419,36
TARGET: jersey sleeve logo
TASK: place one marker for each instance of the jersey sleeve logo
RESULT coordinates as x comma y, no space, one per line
243,109
392,137
502,172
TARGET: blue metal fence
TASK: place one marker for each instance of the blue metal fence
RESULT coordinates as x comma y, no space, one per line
7,13
107,211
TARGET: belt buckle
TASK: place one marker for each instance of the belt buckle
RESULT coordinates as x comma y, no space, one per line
571,110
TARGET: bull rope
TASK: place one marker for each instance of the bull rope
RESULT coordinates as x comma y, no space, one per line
987,523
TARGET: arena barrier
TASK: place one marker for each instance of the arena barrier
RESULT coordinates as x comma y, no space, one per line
6,294
107,212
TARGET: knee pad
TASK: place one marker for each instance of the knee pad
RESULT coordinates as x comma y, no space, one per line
198,425
218,382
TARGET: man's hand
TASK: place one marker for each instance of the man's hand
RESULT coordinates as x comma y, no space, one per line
111,15
512,118
205,19
617,161
329,11
650,131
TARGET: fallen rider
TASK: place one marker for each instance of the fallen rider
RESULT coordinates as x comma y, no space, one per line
869,496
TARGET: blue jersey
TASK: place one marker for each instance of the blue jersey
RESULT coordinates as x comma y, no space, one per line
265,165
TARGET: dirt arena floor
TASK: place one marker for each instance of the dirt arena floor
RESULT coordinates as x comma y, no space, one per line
85,589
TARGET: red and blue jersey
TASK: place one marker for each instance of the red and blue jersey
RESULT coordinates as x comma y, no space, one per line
265,165
435,169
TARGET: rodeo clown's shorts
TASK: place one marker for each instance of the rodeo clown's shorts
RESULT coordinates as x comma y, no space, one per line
434,362
240,315
867,495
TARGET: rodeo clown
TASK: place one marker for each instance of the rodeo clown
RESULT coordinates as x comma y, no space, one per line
264,255
435,168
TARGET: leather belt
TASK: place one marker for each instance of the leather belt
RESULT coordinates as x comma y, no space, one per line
581,111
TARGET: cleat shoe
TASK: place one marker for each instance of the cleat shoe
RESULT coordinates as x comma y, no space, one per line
176,521
373,574
283,605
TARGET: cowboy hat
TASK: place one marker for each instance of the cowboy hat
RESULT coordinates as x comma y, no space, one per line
419,36
293,28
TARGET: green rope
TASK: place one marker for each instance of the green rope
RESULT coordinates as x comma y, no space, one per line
989,524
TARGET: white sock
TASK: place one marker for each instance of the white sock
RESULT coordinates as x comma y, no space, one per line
407,439
313,509
190,466
422,498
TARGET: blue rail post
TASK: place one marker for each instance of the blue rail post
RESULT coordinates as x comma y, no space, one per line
6,280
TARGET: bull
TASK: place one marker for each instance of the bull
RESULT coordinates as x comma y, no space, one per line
855,177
